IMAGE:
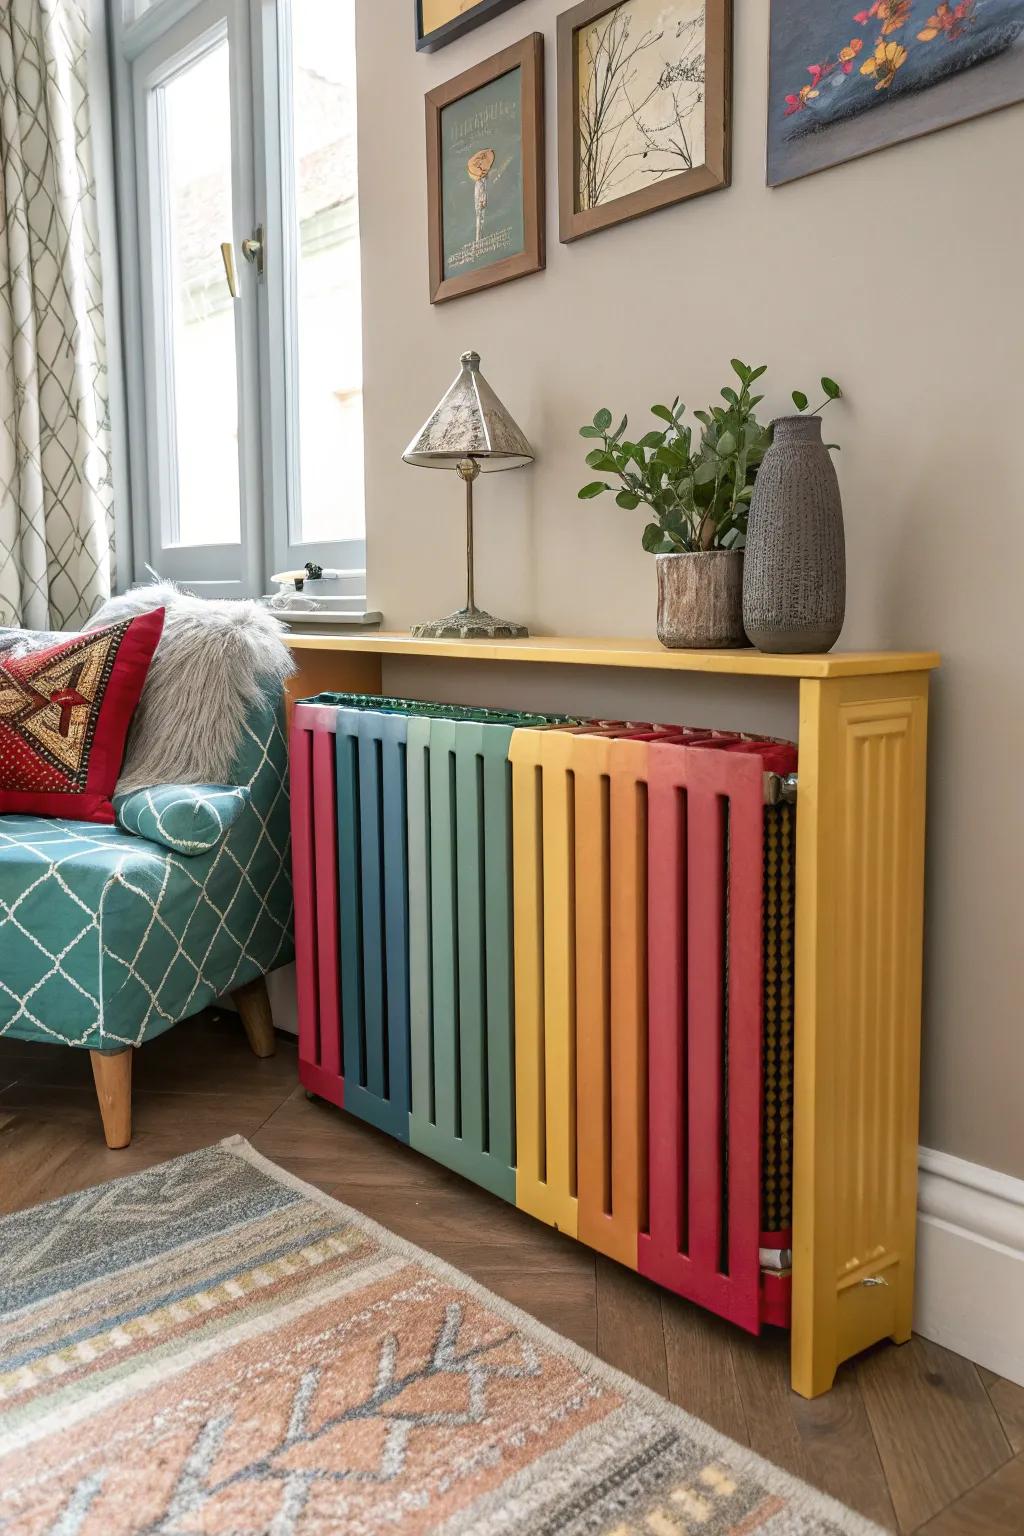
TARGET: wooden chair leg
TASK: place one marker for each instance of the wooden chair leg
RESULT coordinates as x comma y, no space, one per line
253,1004
112,1074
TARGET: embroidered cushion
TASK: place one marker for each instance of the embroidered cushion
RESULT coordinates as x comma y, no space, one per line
64,718
186,818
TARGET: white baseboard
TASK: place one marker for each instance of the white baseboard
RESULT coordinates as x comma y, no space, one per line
970,1261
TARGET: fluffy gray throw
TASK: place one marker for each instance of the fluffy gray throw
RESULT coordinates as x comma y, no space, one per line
215,660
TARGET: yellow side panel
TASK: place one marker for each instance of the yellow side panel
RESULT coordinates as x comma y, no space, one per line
859,910
542,823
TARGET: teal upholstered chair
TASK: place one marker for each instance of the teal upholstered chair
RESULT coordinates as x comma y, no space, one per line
111,935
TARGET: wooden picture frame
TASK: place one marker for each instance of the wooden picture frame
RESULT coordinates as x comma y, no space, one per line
439,37
527,165
710,175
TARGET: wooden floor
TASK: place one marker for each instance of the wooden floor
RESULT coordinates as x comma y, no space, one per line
916,1438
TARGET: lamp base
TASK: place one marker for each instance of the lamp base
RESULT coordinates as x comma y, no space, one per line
470,624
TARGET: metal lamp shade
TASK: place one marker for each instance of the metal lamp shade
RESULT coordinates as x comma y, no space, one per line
470,423
470,432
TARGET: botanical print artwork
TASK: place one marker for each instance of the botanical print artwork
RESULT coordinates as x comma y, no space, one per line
845,81
641,97
482,176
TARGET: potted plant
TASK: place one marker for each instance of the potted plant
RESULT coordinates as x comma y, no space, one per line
699,494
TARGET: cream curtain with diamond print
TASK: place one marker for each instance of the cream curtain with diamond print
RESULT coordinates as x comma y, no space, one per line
56,498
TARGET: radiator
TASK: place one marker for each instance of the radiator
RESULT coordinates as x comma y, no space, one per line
556,957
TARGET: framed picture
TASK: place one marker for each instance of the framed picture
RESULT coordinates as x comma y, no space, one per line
441,21
845,82
643,107
485,173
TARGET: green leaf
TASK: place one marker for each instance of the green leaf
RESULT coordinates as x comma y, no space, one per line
831,389
623,424
726,444
663,413
628,500
651,538
755,373
704,417
705,473
799,399
740,369
595,488
730,395
652,440
590,432
603,420
836,446
598,458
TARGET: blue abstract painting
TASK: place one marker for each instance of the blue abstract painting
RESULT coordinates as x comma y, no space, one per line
848,77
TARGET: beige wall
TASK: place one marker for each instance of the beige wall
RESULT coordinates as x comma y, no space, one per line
901,274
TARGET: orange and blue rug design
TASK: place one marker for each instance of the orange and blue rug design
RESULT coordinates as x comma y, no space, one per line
214,1347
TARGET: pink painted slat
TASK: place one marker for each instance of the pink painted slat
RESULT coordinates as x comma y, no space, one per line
325,840
301,780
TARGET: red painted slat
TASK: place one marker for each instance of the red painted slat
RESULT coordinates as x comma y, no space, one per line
704,826
746,892
666,1132
683,1248
301,779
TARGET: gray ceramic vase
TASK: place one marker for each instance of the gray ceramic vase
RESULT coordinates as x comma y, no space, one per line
794,577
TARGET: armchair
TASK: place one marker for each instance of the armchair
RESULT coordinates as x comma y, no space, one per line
108,938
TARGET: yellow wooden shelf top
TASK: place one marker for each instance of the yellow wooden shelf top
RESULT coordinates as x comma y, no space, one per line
643,654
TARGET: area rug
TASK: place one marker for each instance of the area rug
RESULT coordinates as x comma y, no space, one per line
214,1347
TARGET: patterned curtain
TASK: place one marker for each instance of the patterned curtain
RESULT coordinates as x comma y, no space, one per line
56,495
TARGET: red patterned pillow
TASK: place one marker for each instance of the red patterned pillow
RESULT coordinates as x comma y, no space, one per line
64,718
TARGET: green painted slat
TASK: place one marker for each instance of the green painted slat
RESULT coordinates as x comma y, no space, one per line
421,1004
497,779
444,930
469,884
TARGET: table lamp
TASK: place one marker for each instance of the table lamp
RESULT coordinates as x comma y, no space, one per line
472,433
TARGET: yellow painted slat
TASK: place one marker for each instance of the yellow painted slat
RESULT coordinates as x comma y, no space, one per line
542,822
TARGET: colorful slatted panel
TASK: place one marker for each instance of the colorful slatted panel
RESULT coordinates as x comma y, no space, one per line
623,1071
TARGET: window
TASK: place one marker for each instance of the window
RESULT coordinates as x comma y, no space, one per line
240,235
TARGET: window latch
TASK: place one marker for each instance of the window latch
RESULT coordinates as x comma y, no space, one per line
253,249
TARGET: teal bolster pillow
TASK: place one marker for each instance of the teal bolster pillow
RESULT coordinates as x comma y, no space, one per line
186,818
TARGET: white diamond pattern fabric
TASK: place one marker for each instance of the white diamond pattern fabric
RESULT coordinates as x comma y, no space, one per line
107,939
56,493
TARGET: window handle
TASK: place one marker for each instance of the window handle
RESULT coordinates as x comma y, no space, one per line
253,249
227,252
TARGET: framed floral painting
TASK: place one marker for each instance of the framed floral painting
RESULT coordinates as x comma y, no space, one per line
848,77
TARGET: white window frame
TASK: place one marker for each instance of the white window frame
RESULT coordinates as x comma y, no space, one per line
144,52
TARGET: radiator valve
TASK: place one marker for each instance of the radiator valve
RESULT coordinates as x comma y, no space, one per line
780,789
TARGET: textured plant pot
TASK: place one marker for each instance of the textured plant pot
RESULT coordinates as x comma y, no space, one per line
700,600
794,580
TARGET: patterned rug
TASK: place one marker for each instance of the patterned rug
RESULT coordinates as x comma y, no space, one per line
214,1347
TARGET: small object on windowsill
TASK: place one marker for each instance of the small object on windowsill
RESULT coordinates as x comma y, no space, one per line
318,597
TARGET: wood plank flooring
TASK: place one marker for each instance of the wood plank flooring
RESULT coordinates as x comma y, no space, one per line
916,1438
